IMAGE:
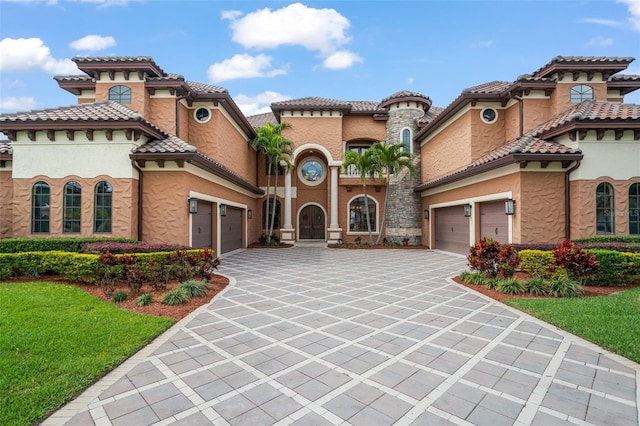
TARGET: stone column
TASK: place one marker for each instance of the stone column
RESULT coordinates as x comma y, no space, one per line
287,233
334,231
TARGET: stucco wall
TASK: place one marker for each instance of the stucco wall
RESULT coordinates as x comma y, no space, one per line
561,96
325,131
363,127
124,216
452,144
139,95
162,113
486,137
541,207
6,203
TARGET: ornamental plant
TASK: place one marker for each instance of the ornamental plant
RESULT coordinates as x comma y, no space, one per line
575,262
492,259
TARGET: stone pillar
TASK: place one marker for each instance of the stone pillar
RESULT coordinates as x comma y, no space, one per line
287,233
334,232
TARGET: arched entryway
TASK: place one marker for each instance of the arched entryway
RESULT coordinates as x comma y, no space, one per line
312,223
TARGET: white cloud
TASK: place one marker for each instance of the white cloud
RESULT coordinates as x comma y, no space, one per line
604,22
93,42
230,14
243,66
410,80
31,54
13,84
483,43
17,104
341,59
634,10
600,41
261,103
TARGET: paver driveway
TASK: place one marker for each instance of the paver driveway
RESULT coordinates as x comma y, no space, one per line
315,336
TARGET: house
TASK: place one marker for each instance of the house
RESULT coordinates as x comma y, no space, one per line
146,154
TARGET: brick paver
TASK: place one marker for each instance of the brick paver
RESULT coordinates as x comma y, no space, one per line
312,336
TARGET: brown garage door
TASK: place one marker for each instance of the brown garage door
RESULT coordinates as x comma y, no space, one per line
452,230
201,226
231,230
493,222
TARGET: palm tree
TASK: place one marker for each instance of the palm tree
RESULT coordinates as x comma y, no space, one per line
366,165
276,149
391,158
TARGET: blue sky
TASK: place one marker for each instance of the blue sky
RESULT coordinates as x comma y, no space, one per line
275,50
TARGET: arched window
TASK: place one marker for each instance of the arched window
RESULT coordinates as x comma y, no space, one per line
71,207
580,93
102,207
267,213
120,94
40,207
605,210
406,140
634,209
358,216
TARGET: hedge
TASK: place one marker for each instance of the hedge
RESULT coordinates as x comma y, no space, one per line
536,263
634,239
126,247
20,245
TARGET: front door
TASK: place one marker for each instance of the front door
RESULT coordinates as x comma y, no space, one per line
312,223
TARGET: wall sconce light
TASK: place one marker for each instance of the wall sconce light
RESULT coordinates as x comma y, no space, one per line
223,209
426,214
349,188
249,214
193,205
378,188
467,210
509,206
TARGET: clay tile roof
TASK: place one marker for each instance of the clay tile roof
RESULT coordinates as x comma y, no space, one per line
625,77
325,103
491,87
429,116
405,94
585,62
97,111
260,120
170,144
202,88
5,147
169,76
73,78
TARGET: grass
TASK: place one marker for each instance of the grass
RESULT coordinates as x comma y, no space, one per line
55,341
608,321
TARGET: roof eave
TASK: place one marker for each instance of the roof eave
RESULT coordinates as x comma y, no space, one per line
16,126
231,107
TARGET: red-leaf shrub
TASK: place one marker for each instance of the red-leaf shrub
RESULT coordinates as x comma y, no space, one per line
491,258
574,261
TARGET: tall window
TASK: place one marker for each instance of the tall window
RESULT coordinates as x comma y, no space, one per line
358,216
71,207
267,212
605,211
102,207
634,209
40,210
580,93
120,94
406,140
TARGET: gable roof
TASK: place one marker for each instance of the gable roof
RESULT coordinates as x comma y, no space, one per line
259,120
316,104
607,64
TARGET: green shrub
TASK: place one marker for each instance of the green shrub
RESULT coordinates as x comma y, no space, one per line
177,296
19,245
615,268
634,239
195,288
510,286
536,286
475,278
536,263
144,299
119,296
492,283
562,286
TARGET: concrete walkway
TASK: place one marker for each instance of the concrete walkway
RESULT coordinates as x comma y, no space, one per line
316,336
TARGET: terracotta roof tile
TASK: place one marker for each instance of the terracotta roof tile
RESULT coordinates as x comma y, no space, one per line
618,63
5,147
429,116
74,78
625,77
325,103
97,111
202,88
167,77
260,120
406,94
491,87
170,144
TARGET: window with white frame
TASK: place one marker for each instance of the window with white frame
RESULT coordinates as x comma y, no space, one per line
605,210
634,209
102,207
406,140
581,92
40,208
71,207
358,215
121,94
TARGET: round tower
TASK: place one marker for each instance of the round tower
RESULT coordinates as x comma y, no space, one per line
404,218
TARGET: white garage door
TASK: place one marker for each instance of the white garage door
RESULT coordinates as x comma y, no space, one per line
493,222
231,230
452,230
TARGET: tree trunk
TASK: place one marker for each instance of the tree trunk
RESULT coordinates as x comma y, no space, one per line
366,212
273,208
384,211
267,206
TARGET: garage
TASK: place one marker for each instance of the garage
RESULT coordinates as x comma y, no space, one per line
230,230
493,222
452,230
201,226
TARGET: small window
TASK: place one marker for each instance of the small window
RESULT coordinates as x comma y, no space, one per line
40,208
580,93
71,207
605,211
202,114
634,209
406,140
267,212
358,215
312,172
121,94
102,207
489,115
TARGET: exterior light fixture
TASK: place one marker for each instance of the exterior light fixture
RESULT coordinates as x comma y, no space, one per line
223,209
193,205
467,210
426,214
509,206
378,188
249,214
349,188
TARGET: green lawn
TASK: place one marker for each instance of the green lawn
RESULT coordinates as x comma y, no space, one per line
56,340
612,322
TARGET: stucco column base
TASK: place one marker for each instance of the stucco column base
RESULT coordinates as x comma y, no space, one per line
288,235
333,235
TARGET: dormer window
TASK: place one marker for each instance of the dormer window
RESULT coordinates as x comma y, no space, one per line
580,93
121,94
